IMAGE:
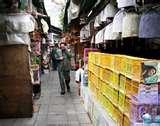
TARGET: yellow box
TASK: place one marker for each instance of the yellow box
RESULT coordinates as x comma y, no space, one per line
135,87
122,83
121,101
128,87
128,69
136,69
101,73
101,98
115,80
127,106
107,76
123,65
117,62
115,96
110,108
126,121
106,103
119,118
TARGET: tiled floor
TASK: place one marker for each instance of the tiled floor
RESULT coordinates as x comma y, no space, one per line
54,109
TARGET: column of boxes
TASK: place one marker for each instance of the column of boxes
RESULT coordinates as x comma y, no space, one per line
118,78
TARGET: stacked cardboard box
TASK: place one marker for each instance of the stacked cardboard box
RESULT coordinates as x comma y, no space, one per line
15,82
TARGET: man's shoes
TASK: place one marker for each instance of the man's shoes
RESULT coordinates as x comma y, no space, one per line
62,93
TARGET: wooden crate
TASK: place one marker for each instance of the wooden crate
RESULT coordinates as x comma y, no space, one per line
15,82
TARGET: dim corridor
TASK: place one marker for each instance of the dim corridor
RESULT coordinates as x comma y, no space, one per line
52,109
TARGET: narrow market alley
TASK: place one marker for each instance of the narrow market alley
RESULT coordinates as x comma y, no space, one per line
52,109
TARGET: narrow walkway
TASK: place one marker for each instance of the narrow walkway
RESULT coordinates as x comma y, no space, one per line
54,109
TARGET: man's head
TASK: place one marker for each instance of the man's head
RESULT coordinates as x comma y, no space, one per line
63,46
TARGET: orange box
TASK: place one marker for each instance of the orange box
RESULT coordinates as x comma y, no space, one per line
122,83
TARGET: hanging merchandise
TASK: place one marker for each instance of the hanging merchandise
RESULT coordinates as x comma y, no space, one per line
117,21
45,26
85,33
130,27
92,40
73,10
108,12
18,22
100,37
109,34
14,38
149,24
125,3
97,21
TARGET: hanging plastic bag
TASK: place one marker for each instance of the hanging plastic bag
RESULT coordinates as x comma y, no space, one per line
125,3
14,38
18,22
108,12
117,21
150,24
130,27
109,34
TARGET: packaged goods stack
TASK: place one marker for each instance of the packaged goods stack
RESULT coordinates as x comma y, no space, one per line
15,80
127,87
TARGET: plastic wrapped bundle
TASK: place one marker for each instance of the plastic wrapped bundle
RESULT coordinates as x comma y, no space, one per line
100,37
149,24
125,3
18,22
108,12
97,21
130,27
117,21
14,38
109,34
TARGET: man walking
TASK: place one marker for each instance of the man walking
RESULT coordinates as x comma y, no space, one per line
63,57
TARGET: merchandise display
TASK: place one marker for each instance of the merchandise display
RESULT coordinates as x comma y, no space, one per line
127,87
35,67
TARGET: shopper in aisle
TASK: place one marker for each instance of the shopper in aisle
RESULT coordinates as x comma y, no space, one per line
63,56
53,53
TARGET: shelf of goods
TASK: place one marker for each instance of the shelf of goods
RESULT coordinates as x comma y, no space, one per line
35,61
127,87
